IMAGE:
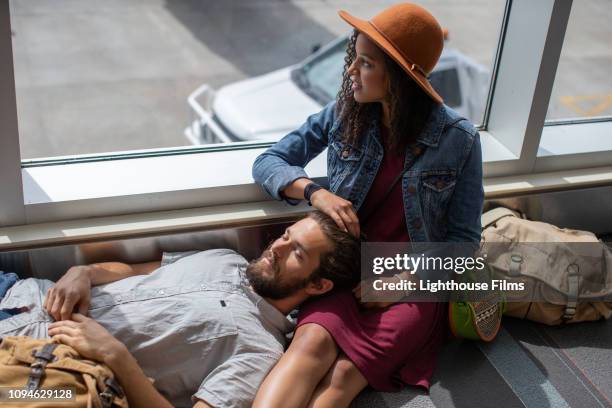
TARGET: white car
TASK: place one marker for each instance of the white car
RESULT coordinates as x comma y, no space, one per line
269,106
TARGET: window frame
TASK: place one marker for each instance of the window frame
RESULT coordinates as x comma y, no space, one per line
12,208
529,48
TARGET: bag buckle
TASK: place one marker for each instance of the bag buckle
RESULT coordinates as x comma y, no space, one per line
569,313
106,398
113,389
37,369
114,386
37,364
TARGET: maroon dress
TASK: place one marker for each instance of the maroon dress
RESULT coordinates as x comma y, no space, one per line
392,346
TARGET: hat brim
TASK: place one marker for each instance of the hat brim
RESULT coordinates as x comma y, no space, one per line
372,33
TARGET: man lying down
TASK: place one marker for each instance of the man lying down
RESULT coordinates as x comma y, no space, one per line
206,328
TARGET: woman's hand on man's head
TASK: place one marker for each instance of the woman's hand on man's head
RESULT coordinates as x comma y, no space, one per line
339,209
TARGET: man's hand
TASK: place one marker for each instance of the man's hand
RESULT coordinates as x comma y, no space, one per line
72,290
87,337
94,342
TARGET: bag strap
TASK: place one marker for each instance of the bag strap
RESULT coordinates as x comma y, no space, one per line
37,369
573,284
113,389
496,214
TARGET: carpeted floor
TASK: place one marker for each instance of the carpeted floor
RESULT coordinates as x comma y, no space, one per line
528,365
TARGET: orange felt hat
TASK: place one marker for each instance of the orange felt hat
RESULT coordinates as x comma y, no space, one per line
410,35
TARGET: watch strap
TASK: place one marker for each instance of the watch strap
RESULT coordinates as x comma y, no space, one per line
310,189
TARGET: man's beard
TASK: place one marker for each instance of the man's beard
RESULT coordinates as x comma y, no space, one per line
273,286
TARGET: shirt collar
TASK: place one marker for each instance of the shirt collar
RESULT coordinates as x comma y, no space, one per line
268,312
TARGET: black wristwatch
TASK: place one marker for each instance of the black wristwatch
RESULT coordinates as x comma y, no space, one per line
310,189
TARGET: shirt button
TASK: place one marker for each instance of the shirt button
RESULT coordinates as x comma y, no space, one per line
417,224
345,153
118,299
161,292
411,188
416,150
440,184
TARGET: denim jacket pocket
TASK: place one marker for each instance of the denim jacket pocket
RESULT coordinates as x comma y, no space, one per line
439,181
437,190
342,159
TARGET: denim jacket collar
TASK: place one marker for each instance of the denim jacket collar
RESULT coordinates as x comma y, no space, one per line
430,135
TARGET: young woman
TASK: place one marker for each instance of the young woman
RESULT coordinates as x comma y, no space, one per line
387,119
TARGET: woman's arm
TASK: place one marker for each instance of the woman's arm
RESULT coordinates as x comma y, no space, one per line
296,189
339,209
279,167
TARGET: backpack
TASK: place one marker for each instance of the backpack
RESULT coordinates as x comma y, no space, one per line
41,373
571,284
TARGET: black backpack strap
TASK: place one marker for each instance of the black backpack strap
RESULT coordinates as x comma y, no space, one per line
37,369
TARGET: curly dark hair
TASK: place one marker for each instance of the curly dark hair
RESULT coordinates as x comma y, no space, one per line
409,105
342,263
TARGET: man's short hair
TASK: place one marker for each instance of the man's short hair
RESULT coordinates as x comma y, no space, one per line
342,263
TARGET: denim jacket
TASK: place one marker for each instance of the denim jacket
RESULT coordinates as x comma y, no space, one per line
442,189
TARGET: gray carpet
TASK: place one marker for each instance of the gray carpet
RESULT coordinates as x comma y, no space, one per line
528,365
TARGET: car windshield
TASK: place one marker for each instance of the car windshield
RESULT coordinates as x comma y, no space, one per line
321,78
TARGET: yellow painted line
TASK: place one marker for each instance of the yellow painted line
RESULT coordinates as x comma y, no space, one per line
574,103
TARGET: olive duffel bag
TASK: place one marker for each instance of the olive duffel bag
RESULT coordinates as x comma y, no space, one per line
567,273
41,373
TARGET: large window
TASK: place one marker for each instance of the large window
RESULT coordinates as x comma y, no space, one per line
107,77
132,106
583,84
580,107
